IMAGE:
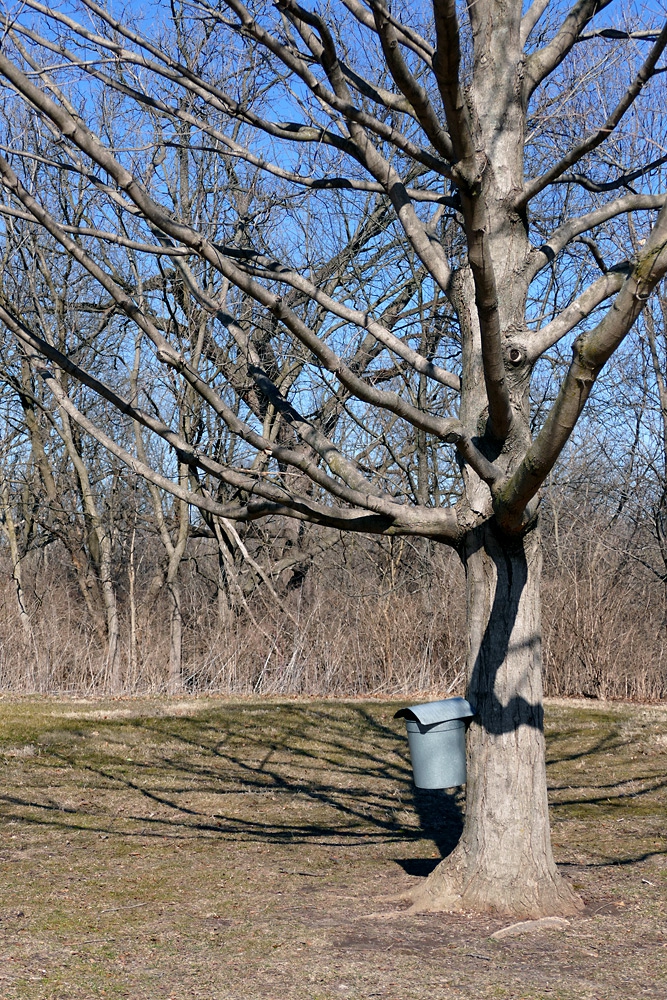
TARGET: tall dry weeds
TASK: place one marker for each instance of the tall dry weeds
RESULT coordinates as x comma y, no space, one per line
370,619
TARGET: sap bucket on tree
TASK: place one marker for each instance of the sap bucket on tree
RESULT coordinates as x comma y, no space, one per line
436,737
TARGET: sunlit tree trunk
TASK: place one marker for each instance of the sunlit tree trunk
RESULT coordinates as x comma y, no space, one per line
504,860
175,681
132,597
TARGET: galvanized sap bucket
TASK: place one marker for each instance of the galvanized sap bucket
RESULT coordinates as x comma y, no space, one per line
436,736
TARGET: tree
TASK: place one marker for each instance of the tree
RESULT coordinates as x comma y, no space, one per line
444,188
59,472
655,329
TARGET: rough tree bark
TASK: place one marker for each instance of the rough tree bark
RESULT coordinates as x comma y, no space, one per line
9,530
176,551
505,849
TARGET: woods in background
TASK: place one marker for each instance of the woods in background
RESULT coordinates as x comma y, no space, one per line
310,611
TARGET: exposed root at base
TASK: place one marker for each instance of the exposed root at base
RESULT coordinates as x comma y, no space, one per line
466,902
451,888
447,899
398,897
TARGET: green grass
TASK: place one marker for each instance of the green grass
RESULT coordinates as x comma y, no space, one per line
216,849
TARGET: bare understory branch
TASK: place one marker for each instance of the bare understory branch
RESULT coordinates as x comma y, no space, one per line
98,234
264,267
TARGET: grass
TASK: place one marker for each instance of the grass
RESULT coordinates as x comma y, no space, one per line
224,850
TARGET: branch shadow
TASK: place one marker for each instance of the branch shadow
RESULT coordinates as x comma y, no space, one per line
344,766
331,775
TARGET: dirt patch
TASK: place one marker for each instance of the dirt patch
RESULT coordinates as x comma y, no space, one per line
250,849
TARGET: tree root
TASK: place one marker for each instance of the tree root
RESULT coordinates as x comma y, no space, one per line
457,885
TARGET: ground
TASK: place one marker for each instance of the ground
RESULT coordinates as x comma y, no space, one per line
222,850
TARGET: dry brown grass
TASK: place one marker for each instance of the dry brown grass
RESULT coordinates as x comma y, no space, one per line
371,619
202,848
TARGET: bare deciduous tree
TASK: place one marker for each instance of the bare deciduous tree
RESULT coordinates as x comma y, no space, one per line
483,155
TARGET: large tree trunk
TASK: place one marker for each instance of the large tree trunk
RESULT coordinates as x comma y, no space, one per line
503,861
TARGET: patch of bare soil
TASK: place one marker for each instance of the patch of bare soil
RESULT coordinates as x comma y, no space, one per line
240,850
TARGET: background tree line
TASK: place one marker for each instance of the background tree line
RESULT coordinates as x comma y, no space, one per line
112,585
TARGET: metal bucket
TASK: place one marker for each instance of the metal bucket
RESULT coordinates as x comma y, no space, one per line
436,737
438,753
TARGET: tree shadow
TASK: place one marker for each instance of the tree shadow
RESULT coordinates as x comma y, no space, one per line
495,717
322,774
220,776
441,820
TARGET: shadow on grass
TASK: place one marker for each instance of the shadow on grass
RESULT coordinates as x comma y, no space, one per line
289,773
441,820
333,774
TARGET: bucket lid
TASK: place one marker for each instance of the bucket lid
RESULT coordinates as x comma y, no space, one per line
437,711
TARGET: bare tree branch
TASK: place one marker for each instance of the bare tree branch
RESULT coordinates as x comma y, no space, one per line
408,85
530,19
623,180
559,239
540,64
544,338
446,67
590,353
408,36
596,138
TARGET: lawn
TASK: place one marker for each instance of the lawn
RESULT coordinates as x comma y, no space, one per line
229,850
